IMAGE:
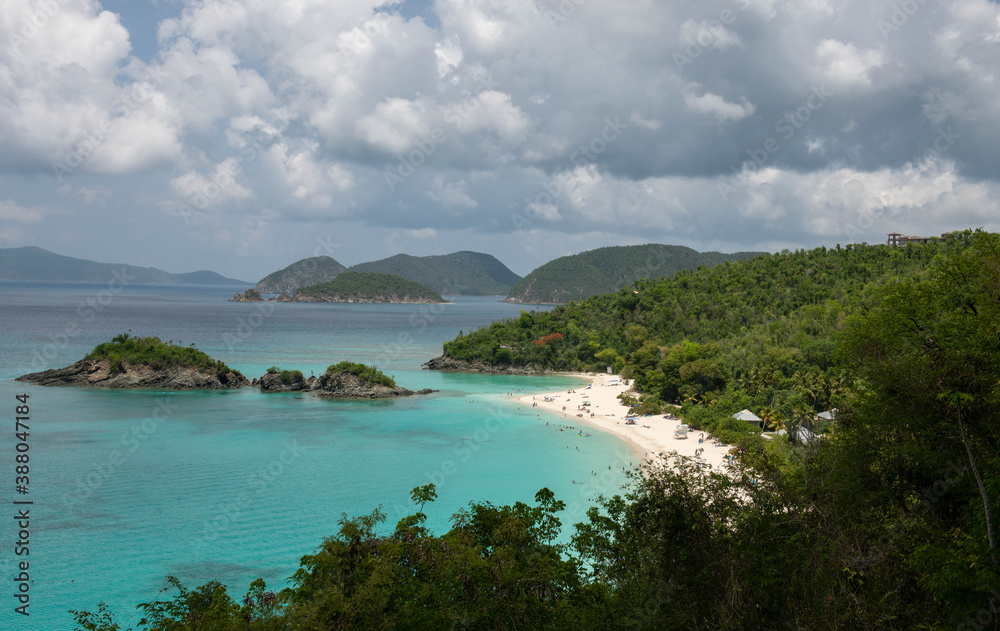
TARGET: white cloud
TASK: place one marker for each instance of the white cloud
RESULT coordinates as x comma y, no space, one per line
449,55
709,34
490,110
207,83
451,195
316,99
396,126
57,81
716,106
843,64
220,186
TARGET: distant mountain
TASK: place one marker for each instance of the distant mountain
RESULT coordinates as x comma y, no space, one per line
315,269
207,277
605,270
459,273
367,287
35,264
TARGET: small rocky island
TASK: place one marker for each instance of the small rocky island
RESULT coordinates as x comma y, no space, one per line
143,362
148,362
252,295
346,380
354,287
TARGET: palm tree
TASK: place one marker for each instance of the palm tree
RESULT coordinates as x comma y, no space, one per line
803,417
772,419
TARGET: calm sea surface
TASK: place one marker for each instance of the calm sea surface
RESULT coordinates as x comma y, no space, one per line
131,486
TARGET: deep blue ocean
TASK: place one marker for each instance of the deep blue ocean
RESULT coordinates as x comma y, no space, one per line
131,486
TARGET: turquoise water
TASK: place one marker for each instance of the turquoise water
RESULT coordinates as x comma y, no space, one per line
131,486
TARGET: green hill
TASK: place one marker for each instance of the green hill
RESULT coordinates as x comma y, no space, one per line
359,287
315,269
763,324
153,352
35,264
605,270
459,273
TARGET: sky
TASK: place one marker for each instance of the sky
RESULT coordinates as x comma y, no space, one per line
243,135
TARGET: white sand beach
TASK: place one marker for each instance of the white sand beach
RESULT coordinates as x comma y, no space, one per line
648,438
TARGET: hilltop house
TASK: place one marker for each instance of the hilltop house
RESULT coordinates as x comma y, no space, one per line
898,240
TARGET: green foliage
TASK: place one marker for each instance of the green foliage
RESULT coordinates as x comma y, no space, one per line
356,286
763,329
919,435
151,351
368,374
288,376
604,270
464,273
496,569
273,370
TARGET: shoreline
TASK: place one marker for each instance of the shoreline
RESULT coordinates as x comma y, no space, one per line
650,437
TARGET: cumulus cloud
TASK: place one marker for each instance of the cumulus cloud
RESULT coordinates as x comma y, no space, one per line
481,107
396,126
219,186
451,195
716,106
844,65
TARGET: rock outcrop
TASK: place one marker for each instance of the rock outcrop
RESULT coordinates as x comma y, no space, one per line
339,385
344,385
273,382
98,374
250,295
445,363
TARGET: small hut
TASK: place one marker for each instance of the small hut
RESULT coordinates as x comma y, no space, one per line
747,415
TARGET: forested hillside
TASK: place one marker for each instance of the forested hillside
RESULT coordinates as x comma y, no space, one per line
367,287
607,269
762,326
459,273
315,269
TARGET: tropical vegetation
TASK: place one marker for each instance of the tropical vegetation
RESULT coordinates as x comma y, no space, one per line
368,287
368,374
604,270
459,273
151,351
309,271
